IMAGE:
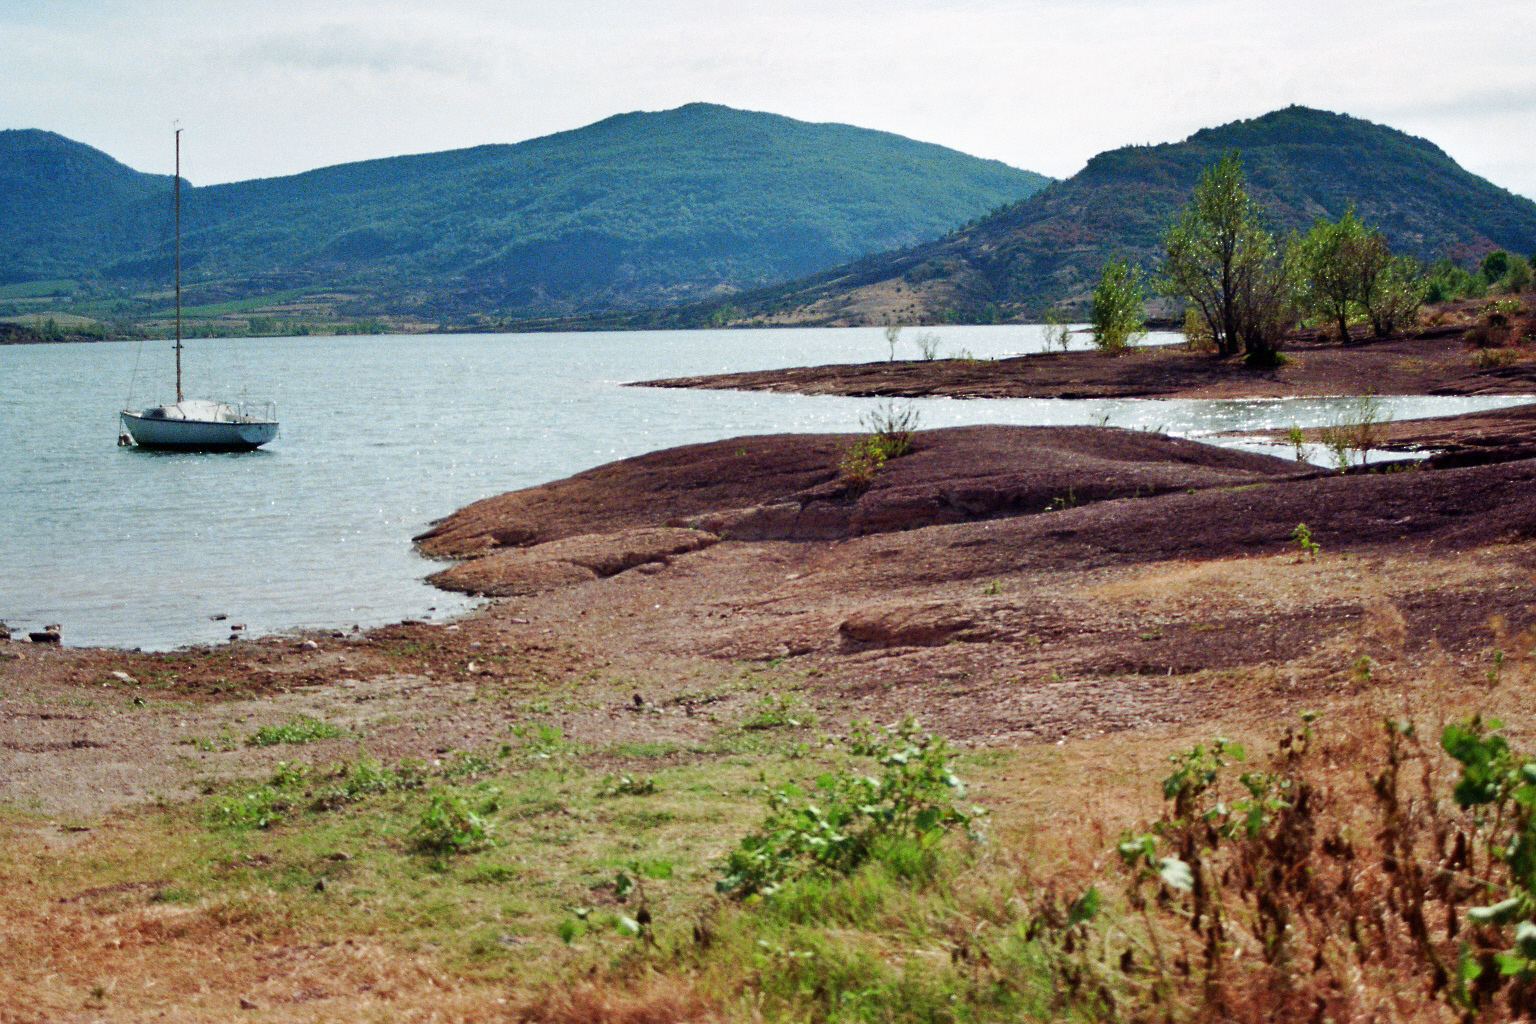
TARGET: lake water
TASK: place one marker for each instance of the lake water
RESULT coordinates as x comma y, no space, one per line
383,435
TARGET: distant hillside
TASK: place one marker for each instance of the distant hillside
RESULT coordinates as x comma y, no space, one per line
637,210
1048,249
63,204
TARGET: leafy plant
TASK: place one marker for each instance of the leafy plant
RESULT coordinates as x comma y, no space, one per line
1119,313
891,429
780,711
847,817
454,822
299,729
1055,330
1297,439
1495,779
260,807
861,462
1303,538
627,785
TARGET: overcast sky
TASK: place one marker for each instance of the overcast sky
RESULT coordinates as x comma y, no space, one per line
272,87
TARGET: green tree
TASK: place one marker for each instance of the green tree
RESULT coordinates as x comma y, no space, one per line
1449,280
1494,266
1349,271
1119,315
1393,296
1218,257
1518,277
1336,257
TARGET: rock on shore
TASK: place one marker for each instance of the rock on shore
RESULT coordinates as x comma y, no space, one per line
788,487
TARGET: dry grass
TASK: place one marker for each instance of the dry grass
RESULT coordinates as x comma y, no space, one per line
152,914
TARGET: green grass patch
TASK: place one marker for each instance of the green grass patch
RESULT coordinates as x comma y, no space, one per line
37,289
299,729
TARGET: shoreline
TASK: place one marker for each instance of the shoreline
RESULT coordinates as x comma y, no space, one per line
1434,361
1067,606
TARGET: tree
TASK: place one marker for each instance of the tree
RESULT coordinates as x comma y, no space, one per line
1349,271
1494,266
1518,277
1119,317
1335,257
1394,295
1218,257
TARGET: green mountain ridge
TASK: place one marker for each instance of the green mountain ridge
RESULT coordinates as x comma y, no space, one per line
1047,249
636,210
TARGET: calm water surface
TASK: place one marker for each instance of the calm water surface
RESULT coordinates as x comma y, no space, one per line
383,435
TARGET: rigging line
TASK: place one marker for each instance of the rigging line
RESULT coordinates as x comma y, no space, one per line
133,381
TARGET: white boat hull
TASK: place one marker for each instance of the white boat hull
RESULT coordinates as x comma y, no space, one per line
196,426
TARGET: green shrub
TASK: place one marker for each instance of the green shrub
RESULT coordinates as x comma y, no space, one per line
891,430
779,711
861,462
1119,307
455,822
1448,280
299,729
261,807
845,818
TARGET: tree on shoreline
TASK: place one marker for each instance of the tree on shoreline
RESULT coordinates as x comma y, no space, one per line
1219,257
1350,272
1119,314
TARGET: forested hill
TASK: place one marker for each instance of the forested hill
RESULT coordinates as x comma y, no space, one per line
1048,249
63,204
636,210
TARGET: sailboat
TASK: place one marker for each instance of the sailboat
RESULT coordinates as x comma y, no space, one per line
196,424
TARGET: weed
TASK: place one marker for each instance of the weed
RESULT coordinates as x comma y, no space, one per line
892,427
1497,671
261,807
539,739
848,817
1487,358
627,785
861,462
779,711
455,822
1063,501
1297,439
1356,431
1056,332
466,765
225,741
299,729
1303,538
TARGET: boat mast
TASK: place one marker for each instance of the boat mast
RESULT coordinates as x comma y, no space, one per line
176,191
